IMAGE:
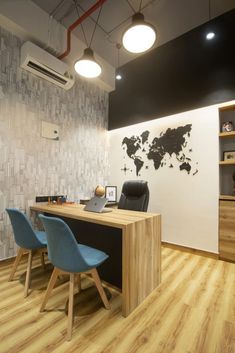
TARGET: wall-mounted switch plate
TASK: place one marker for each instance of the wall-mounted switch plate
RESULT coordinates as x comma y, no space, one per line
50,131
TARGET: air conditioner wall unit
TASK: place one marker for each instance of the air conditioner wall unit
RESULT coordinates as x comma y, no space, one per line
45,65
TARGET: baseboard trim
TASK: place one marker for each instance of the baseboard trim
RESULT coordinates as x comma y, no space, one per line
191,250
12,258
228,260
7,259
164,244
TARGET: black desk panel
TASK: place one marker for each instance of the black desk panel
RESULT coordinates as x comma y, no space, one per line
107,239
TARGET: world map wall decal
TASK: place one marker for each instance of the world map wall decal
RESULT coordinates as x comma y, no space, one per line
169,148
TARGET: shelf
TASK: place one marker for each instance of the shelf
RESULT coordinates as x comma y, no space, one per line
227,197
227,134
227,162
227,108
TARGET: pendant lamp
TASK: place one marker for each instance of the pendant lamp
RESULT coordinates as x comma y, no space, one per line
87,66
140,36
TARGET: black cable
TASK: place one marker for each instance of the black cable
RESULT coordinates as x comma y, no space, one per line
75,2
92,19
209,9
140,5
56,8
127,19
121,23
114,28
119,47
96,25
131,6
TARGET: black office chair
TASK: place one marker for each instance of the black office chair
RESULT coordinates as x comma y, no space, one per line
135,196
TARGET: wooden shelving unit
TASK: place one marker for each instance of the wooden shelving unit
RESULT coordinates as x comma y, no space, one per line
227,108
227,134
227,197
229,162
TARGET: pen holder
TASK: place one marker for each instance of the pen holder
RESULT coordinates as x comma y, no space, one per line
61,200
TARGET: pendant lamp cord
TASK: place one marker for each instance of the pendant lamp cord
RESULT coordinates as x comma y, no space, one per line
131,6
140,5
83,32
118,46
95,25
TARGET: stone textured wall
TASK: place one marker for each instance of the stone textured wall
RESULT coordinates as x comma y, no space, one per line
31,165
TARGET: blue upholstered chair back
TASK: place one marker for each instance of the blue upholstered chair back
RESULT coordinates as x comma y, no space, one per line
23,232
63,249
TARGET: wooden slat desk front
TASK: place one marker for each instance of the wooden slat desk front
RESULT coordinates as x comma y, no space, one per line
141,247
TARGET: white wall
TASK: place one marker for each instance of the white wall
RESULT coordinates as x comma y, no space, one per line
188,203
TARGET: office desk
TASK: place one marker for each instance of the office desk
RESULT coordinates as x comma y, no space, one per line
140,249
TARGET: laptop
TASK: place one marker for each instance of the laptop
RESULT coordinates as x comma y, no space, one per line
96,204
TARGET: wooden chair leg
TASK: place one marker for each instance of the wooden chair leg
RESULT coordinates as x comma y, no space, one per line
79,282
101,291
42,253
70,309
16,262
50,286
28,274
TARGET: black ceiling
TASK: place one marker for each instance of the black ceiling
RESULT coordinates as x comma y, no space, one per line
186,73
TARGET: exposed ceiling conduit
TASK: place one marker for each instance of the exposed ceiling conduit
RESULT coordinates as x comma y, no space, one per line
76,23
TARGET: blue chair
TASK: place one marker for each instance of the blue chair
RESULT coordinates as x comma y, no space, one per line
28,241
71,258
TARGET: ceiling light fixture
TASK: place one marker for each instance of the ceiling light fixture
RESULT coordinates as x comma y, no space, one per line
140,35
118,74
87,66
210,35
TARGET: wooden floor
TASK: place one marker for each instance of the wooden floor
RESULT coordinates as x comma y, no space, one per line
192,311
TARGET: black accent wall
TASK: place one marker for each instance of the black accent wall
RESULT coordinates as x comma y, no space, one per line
186,73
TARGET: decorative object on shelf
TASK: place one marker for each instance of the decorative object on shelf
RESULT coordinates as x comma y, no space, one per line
229,155
233,176
111,193
99,191
227,126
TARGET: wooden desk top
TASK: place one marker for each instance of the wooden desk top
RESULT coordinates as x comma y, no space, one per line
117,218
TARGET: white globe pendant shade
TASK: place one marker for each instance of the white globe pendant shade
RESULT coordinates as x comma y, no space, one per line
87,66
140,36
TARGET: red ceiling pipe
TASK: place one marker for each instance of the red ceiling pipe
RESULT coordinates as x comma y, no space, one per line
76,23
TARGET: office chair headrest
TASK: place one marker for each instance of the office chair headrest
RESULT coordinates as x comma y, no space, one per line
135,188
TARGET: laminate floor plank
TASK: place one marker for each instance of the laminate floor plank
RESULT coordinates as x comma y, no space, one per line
192,311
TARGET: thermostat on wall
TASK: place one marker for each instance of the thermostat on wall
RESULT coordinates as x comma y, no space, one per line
50,131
